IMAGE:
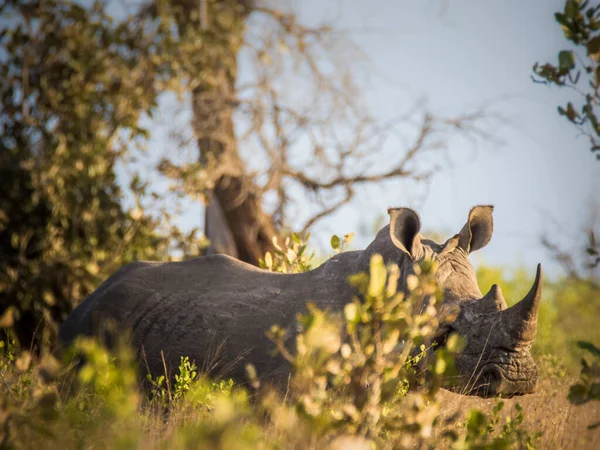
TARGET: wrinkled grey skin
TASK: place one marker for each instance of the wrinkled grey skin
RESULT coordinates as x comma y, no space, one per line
215,309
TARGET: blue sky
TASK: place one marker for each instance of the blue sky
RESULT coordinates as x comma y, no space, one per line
458,54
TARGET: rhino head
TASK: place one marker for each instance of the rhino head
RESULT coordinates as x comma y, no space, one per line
496,359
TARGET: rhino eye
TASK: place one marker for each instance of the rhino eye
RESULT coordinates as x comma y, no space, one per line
506,350
442,337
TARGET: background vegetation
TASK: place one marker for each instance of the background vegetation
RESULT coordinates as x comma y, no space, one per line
78,85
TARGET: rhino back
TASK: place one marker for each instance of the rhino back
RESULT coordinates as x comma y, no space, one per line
83,320
213,309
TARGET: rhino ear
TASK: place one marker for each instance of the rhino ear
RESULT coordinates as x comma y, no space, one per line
477,232
404,231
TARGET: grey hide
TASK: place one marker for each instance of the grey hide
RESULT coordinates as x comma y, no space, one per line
216,309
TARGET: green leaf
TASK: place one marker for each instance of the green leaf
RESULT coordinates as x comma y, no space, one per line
7,319
440,366
351,313
593,48
577,394
268,260
498,407
571,9
570,112
560,18
301,251
594,426
476,422
359,281
455,343
585,345
378,275
566,60
335,242
518,408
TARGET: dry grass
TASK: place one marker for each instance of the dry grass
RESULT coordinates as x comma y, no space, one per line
564,426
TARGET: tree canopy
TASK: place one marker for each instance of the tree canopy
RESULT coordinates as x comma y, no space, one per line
74,85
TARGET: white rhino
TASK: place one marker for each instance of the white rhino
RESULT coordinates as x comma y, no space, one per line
216,309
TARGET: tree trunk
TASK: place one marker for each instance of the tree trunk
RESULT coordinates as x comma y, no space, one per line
236,224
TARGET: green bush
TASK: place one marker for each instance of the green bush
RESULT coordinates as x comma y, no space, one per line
587,387
367,377
75,84
483,432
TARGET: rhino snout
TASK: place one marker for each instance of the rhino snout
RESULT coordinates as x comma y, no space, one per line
494,381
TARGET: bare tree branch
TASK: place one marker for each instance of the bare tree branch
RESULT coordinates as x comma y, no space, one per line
325,212
300,120
583,263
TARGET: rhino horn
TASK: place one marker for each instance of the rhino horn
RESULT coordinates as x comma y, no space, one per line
493,300
521,318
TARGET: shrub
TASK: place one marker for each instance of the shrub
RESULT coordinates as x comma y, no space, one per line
587,387
367,377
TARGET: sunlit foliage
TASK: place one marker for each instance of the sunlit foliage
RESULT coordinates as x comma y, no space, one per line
578,67
357,381
74,86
